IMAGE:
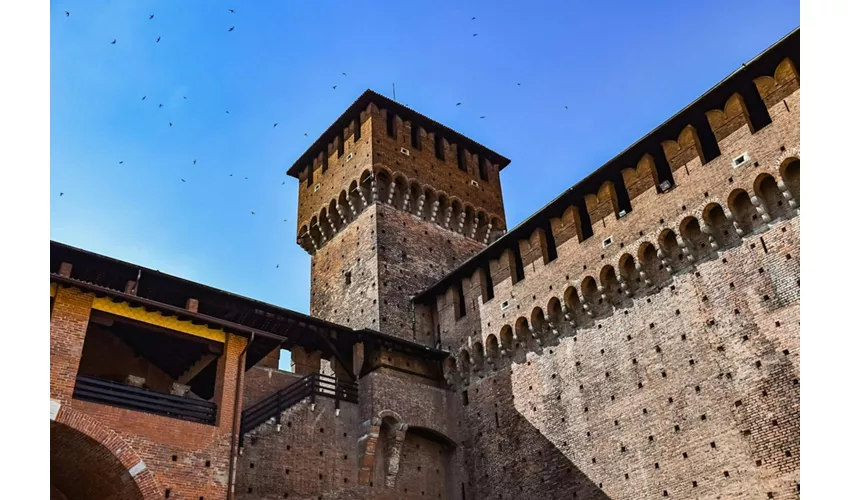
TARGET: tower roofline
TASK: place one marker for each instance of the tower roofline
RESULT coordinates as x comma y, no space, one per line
370,96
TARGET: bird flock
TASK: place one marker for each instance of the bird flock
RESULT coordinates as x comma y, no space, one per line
151,17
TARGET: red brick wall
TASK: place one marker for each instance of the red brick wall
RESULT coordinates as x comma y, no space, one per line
706,363
261,382
156,439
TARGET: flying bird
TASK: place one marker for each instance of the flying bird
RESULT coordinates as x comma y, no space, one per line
160,105
150,16
518,84
158,39
481,117
67,13
475,34
232,11
305,134
231,28
169,124
61,194
228,112
334,87
246,178
231,175
473,19
184,180
113,41
277,266
458,104
121,162
252,212
566,107
275,125
194,162
144,97
344,74
184,97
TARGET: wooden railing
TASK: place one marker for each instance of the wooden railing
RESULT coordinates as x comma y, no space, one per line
134,398
307,387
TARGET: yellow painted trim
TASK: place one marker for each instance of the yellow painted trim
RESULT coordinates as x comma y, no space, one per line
124,310
53,289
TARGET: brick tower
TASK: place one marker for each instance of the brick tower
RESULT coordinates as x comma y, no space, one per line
389,201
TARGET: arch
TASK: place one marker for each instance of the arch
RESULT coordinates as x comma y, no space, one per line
629,272
443,204
538,321
789,172
382,178
314,231
399,190
478,354
428,206
453,222
696,240
324,225
89,460
743,211
572,302
415,194
590,291
492,346
506,337
468,220
523,332
609,283
479,228
555,311
354,197
670,248
771,197
304,239
364,186
720,226
683,149
652,264
333,214
343,207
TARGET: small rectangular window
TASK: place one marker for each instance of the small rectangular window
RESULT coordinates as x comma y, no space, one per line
465,396
414,137
551,248
348,278
439,152
519,271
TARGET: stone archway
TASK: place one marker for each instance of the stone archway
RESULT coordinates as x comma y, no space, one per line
88,460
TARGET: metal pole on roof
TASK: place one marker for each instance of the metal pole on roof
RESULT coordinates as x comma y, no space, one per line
394,91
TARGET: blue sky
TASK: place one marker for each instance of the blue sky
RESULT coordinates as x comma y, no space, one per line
622,68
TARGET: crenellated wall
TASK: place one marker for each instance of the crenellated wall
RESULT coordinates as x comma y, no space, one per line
656,349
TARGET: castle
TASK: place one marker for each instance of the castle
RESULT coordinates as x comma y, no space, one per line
637,337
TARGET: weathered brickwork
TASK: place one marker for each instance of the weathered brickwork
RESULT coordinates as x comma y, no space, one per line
186,459
664,361
638,337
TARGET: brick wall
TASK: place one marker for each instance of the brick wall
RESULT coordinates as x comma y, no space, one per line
176,452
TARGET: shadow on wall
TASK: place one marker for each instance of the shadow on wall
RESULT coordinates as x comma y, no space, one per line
511,458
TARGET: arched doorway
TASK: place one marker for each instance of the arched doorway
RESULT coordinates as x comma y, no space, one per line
87,460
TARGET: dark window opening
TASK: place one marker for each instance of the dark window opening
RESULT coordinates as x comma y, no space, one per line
707,139
461,309
414,137
483,172
465,396
461,158
756,108
348,278
310,174
488,284
520,272
584,219
356,129
390,124
551,249
324,163
439,150
341,149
